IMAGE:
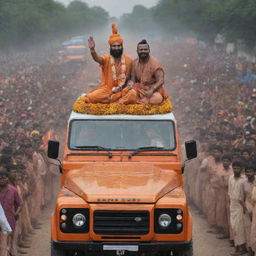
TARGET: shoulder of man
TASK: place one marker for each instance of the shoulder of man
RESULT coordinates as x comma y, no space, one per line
154,60
242,179
204,162
135,60
231,177
12,188
105,57
155,63
128,59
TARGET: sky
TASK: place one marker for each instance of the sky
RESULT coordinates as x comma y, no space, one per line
116,8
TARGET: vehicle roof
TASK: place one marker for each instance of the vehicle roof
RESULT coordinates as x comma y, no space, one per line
168,116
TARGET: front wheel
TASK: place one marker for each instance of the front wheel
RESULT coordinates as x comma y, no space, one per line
57,252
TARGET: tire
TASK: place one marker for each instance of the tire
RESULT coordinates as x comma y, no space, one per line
186,252
57,252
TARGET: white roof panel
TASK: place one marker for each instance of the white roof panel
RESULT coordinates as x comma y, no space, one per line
168,116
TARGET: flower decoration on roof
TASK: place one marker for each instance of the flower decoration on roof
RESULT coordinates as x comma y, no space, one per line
80,106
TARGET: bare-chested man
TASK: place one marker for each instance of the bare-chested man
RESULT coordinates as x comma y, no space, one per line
147,77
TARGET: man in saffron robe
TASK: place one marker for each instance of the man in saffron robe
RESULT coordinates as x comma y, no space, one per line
116,70
147,77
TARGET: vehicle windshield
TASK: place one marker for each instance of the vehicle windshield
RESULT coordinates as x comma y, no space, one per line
122,134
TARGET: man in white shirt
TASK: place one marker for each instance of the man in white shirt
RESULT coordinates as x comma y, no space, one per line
236,208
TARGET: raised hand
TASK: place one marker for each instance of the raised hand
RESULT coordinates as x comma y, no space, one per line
91,43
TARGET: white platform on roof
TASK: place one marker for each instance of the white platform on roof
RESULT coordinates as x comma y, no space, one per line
168,116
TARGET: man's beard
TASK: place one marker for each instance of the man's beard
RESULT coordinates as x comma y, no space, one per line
237,175
116,53
3,185
143,56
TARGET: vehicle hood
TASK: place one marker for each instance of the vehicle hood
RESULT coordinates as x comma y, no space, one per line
121,182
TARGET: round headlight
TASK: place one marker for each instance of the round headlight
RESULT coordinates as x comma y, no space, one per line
79,220
164,220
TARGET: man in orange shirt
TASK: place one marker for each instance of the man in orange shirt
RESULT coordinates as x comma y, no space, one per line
116,70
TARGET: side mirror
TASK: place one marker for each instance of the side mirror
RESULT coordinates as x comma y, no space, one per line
191,149
53,149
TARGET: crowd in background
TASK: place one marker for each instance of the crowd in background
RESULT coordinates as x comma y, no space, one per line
215,104
35,101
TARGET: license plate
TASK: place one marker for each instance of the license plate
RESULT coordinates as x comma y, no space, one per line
129,248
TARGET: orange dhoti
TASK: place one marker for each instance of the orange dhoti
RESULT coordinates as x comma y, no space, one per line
100,95
126,96
104,94
156,98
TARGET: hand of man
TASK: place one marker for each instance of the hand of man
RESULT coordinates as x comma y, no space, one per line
16,215
148,94
130,85
91,43
116,89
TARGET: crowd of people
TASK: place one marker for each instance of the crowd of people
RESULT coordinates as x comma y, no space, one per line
215,104
34,102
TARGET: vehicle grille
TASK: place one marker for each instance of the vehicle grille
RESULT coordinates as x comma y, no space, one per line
121,222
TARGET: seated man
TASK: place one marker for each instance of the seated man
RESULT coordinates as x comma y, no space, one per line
147,77
116,70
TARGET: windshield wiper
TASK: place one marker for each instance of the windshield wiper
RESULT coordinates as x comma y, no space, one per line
92,147
110,155
141,149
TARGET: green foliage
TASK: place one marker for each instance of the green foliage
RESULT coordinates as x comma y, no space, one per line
26,21
236,19
29,21
139,20
240,21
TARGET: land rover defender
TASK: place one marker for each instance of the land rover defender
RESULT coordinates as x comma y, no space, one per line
121,187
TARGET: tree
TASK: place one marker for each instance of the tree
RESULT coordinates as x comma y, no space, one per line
30,21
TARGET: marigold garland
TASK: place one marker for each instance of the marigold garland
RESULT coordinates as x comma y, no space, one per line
122,77
80,106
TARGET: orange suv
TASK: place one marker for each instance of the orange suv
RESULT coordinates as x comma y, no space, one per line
121,187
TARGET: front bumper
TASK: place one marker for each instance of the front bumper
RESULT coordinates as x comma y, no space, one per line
91,247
